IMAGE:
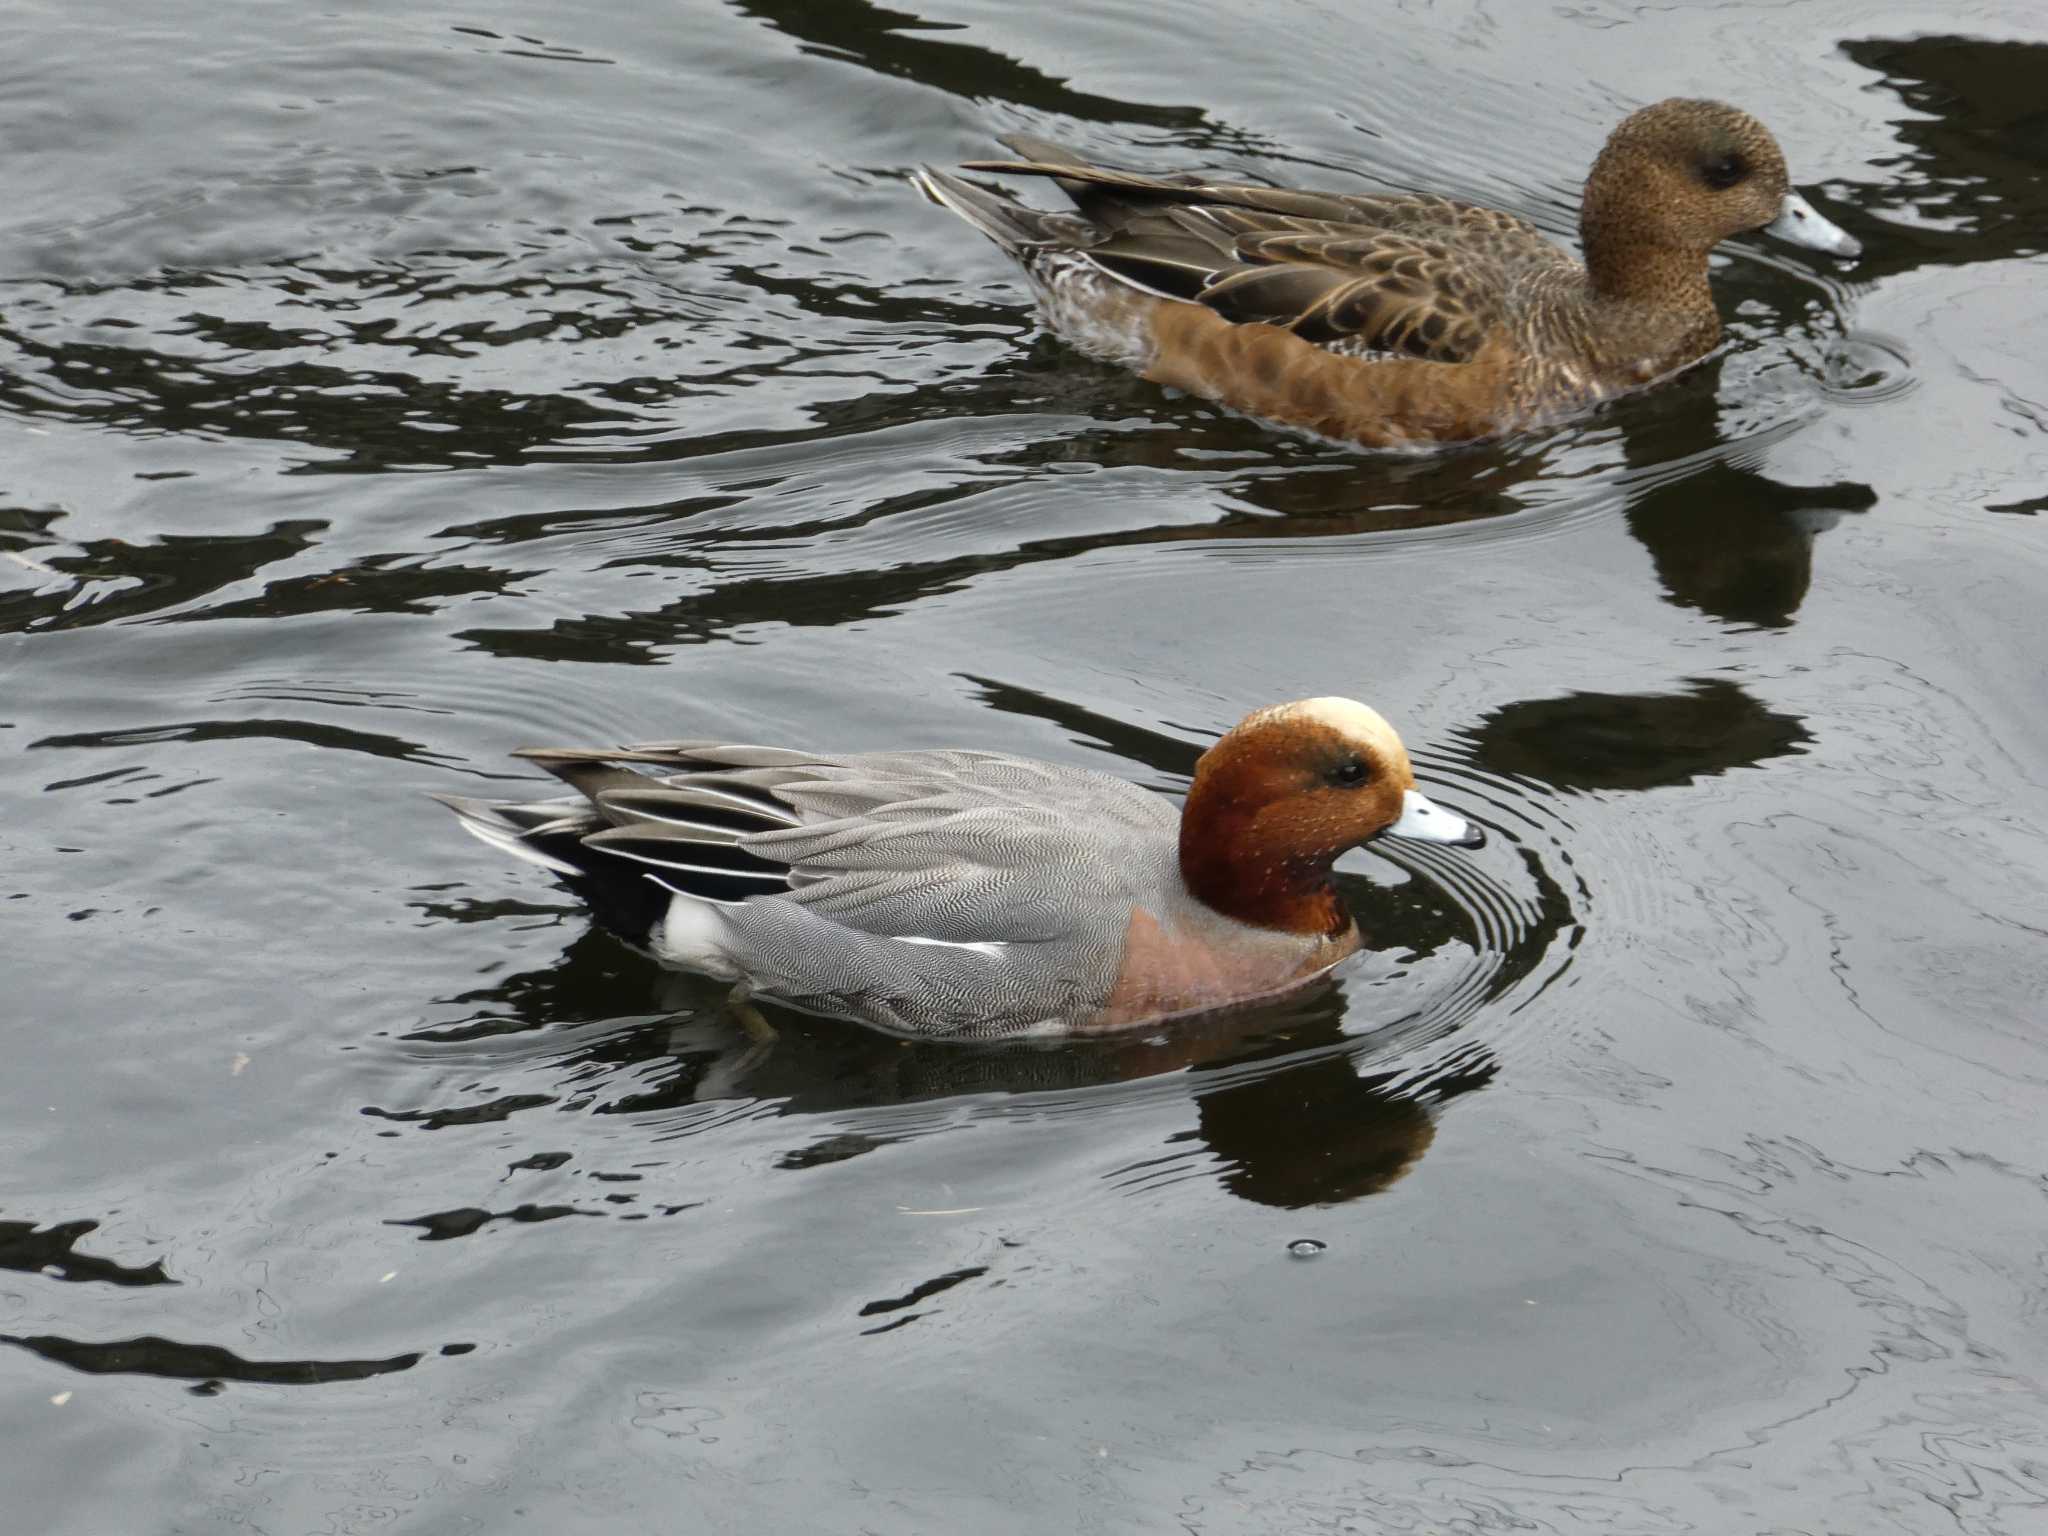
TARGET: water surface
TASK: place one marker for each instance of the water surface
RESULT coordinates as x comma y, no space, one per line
384,390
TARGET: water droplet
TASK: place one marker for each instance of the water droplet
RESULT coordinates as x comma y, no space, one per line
1306,1247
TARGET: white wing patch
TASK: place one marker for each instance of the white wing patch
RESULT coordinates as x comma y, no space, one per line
980,946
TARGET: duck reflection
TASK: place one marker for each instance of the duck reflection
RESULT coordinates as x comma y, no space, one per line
902,45
1322,1132
53,1253
1737,544
1284,1099
1975,184
1635,741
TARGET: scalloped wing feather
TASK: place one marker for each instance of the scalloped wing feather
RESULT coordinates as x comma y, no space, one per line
1418,276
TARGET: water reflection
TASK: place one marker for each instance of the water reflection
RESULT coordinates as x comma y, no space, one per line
1598,741
212,378
899,44
208,1365
1322,1132
1973,186
1737,544
101,581
53,1251
1288,1107
1754,569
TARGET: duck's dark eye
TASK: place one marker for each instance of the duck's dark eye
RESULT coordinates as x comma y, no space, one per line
1350,773
1723,172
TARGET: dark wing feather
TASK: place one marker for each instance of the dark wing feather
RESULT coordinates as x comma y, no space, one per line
683,859
1096,189
1100,192
1372,292
684,829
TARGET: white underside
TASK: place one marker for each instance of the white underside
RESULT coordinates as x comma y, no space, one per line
1101,315
694,938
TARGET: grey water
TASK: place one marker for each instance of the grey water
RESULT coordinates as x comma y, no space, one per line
385,389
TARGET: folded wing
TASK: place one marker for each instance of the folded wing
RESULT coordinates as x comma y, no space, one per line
947,847
1413,276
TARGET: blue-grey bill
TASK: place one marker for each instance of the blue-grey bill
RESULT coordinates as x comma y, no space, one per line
1424,820
1801,223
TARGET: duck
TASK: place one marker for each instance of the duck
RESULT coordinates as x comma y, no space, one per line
1404,320
958,894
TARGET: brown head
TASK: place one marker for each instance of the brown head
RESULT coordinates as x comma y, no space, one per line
1282,795
1674,181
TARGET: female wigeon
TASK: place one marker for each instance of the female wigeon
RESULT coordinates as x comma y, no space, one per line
1404,319
975,894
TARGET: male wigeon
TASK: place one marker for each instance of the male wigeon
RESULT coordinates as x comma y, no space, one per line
974,894
1402,319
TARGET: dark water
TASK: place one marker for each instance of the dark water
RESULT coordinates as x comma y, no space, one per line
382,390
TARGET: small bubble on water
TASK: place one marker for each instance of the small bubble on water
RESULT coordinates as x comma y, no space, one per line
1306,1247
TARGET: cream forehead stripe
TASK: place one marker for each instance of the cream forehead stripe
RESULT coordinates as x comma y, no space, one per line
1347,717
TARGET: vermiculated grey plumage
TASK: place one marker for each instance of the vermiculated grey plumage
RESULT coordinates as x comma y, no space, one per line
852,883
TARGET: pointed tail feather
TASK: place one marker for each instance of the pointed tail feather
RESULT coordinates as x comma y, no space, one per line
521,831
638,845
1016,227
551,834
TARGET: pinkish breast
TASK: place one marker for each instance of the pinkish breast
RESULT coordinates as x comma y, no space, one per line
1167,971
